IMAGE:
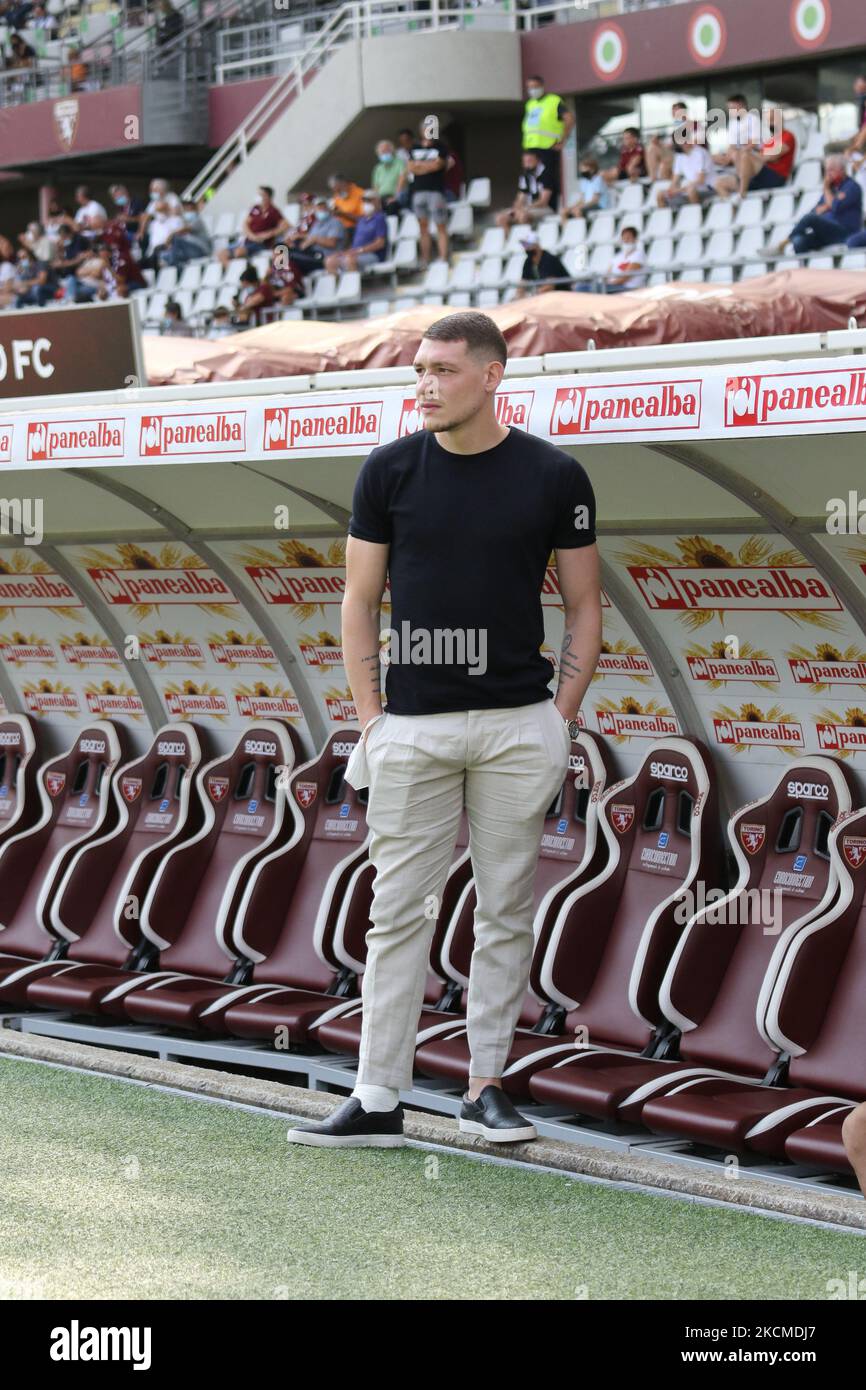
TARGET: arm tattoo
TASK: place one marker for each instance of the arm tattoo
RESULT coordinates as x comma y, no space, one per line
567,663
375,671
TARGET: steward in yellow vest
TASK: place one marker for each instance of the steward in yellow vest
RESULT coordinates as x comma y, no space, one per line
546,119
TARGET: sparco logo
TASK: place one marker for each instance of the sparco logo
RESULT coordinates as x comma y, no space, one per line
92,745
216,432
794,398
257,745
10,740
321,426
809,791
745,587
74,439
342,750
512,408
623,409
673,772
170,750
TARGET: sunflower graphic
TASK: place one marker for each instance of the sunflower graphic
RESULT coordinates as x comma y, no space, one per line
827,655
171,556
699,552
224,641
162,638
297,554
718,651
750,713
853,718
629,705
22,563
99,699
622,647
25,639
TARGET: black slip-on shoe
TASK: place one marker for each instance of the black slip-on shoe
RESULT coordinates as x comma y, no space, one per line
350,1124
494,1117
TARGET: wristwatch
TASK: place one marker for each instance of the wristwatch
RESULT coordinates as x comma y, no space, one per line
573,727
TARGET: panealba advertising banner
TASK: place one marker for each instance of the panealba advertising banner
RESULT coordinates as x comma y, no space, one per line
663,404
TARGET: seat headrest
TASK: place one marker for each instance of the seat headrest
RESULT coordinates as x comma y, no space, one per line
657,815
151,787
244,782
77,781
785,836
320,789
17,747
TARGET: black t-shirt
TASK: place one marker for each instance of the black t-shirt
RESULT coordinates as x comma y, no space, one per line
547,267
435,181
470,538
533,181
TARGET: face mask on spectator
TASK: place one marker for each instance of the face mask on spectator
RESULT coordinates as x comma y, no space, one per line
121,199
535,92
321,214
189,217
366,208
386,156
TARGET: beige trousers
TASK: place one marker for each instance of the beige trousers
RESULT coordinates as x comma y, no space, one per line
508,764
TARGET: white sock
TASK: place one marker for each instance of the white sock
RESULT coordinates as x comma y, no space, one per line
376,1097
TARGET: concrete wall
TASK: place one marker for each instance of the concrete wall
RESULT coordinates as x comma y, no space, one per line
366,91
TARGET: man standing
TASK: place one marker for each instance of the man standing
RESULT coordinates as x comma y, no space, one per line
428,160
462,516
547,121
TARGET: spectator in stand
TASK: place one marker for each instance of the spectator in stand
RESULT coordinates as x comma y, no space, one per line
21,55
632,160
76,71
35,283
124,267
547,122
264,225
428,160
172,320
387,176
58,217
306,218
221,323
7,272
537,192
455,176
744,133
37,241
626,270
834,219
41,19
764,168
161,225
346,199
659,152
285,278
131,209
90,215
369,239
159,195
694,174
72,252
326,234
594,194
169,22
253,296
93,279
405,141
188,242
540,267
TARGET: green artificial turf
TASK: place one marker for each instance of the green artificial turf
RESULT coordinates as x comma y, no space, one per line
118,1191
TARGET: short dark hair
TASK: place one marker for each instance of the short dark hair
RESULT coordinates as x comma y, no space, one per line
477,331
265,189
632,130
535,77
531,151
738,97
250,276
633,230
